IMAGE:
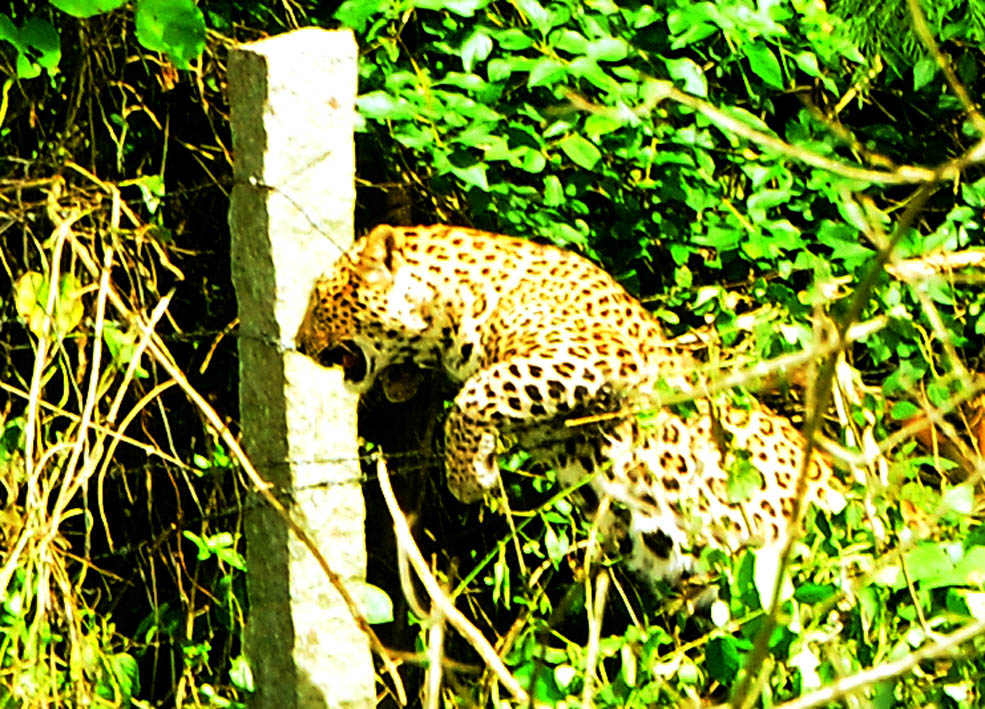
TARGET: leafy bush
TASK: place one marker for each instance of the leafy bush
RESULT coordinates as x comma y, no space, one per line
763,196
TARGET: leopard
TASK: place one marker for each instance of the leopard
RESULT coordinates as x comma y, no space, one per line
538,338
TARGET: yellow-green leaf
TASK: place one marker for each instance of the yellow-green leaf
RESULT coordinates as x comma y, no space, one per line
122,347
31,295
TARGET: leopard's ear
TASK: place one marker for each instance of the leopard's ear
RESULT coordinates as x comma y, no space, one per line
381,254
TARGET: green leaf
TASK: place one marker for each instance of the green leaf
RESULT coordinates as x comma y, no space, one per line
973,193
608,49
569,41
199,542
494,147
939,290
558,14
687,71
31,294
122,347
767,199
26,69
870,606
566,235
598,124
535,12
372,601
965,602
411,136
644,16
175,27
722,659
814,592
556,545
744,480
498,70
9,31
463,8
87,8
546,72
11,438
42,38
960,499
221,545
903,410
842,239
588,68
356,13
807,62
459,106
923,72
241,675
970,569
37,44
513,39
580,151
475,49
120,678
692,23
151,190
383,106
530,160
928,560
784,235
553,192
473,175
764,64
539,681
230,556
469,82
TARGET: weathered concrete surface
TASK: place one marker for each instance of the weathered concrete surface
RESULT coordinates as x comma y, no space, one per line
292,109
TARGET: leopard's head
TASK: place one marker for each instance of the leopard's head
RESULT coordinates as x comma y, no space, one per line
363,312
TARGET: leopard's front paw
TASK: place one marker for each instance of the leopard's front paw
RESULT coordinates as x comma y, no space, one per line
472,473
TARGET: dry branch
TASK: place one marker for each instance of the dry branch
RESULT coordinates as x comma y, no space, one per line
438,597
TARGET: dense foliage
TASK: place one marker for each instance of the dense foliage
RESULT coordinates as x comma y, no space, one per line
750,169
555,120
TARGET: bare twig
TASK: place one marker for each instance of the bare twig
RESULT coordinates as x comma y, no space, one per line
901,175
747,377
160,353
439,600
927,37
595,608
139,445
435,652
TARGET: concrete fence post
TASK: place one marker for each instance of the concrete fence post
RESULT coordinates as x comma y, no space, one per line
291,210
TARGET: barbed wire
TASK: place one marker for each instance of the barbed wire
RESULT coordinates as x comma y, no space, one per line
189,336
